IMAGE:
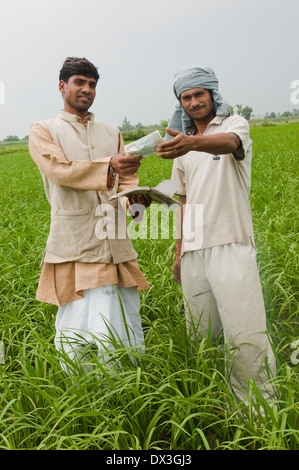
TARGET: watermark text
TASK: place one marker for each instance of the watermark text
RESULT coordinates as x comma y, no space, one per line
2,353
2,92
155,222
295,354
295,93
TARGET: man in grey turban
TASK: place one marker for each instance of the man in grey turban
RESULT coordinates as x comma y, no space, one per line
195,77
215,251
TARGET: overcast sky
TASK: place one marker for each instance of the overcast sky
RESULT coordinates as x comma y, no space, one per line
138,46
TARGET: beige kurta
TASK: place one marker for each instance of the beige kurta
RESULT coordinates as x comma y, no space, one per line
65,282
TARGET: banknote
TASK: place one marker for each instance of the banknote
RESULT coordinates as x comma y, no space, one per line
146,146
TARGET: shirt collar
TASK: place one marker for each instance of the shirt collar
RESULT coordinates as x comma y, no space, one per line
217,120
74,118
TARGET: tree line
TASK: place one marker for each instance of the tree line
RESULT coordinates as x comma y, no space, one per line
136,131
15,138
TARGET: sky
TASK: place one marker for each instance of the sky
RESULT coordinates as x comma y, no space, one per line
138,46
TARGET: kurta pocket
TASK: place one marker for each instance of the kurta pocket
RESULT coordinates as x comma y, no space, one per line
63,213
70,233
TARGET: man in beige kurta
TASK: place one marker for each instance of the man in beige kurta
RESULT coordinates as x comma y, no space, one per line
216,256
86,267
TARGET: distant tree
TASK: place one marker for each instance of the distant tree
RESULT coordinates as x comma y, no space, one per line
272,115
138,126
231,110
286,114
126,125
295,112
11,138
239,108
246,112
133,134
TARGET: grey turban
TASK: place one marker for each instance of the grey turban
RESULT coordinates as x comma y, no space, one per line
189,77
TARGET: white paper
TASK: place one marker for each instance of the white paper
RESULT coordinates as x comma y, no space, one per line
162,193
167,187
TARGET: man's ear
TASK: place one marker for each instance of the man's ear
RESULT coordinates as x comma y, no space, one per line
61,86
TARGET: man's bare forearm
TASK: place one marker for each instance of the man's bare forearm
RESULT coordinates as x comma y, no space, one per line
216,144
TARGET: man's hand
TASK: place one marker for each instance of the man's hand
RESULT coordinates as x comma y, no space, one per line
140,199
139,203
177,270
178,146
126,164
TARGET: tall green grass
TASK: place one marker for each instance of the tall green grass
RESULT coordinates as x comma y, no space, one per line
274,202
175,394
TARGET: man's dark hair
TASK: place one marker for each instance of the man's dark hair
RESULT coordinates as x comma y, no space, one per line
78,66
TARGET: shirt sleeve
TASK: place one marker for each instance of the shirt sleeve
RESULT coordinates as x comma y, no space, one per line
50,159
240,126
178,174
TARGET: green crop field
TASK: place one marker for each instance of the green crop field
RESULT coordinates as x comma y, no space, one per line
173,396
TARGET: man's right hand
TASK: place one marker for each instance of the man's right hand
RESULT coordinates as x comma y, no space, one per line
177,270
126,164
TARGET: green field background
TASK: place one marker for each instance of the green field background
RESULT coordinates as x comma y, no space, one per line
173,396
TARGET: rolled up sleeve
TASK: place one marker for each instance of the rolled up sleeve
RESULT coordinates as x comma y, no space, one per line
178,175
240,127
51,161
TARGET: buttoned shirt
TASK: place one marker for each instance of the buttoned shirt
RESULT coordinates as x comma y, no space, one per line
217,190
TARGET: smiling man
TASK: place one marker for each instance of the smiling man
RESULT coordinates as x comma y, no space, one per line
83,163
218,271
79,93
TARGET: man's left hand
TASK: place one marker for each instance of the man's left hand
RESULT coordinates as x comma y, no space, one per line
141,202
178,146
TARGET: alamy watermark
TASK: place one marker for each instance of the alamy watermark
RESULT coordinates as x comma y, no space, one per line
295,93
2,353
158,221
2,92
295,353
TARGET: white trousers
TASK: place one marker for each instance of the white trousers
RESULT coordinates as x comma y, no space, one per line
105,317
222,292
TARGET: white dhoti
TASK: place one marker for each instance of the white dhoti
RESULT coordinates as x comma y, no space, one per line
222,291
106,317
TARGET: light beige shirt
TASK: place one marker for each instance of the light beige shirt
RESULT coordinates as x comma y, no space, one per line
64,282
217,191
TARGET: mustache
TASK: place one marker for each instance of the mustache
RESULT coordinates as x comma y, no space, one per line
195,108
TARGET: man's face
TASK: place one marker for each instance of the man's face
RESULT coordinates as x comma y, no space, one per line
198,104
78,94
